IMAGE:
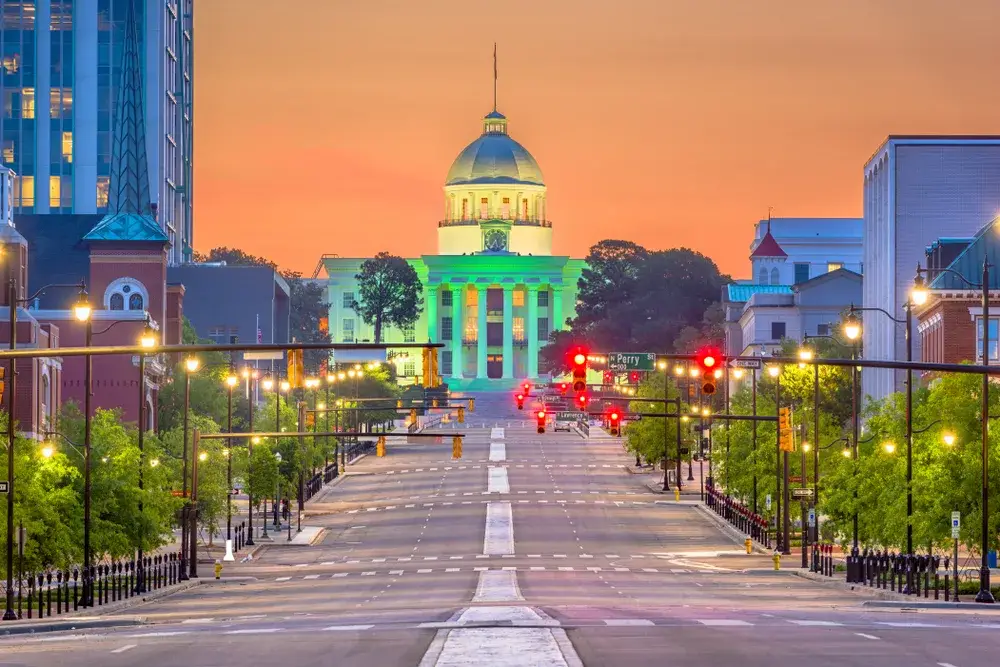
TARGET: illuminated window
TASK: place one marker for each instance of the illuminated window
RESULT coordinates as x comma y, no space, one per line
347,329
61,102
24,190
28,103
518,298
471,329
67,146
103,184
54,191
517,332
484,207
834,266
11,63
524,214
465,209
505,208
979,339
8,151
472,298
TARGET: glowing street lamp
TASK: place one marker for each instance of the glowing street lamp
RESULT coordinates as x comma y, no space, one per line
852,327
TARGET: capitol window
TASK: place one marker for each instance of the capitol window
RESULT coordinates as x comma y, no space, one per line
505,208
484,207
518,300
465,209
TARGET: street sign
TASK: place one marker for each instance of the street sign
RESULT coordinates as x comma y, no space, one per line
568,416
956,523
4,487
802,494
685,451
756,364
631,361
767,502
633,418
269,355
812,518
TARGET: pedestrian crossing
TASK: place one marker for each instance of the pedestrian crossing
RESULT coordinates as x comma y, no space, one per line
507,568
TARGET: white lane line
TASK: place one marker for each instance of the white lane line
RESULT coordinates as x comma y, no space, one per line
252,631
817,623
311,576
347,628
142,635
627,621
192,621
907,625
497,481
861,634
722,622
124,648
945,664
498,451
499,537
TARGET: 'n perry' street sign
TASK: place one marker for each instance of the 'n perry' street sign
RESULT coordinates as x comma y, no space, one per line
631,361
747,363
802,493
4,487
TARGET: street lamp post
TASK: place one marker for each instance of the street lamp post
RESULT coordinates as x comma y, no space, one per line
147,341
191,365
268,384
231,382
250,377
919,297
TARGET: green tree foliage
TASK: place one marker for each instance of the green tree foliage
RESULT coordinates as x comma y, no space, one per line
390,293
634,299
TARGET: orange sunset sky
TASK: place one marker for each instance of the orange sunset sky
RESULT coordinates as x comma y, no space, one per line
327,126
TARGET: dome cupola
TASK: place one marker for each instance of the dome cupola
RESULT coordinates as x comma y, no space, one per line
494,158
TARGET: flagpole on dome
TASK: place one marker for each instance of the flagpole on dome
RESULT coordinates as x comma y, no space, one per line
494,76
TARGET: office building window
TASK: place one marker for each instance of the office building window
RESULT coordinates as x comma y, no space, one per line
446,357
28,103
409,334
823,330
348,300
54,191
517,330
347,331
993,338
103,185
446,298
67,146
543,298
24,190
447,328
833,266
8,151
777,330
518,298
543,329
801,273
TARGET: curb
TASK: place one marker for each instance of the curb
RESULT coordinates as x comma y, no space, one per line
657,487
877,593
931,604
78,623
735,535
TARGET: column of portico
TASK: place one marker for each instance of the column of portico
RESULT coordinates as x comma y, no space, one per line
481,332
532,330
558,320
508,331
432,313
457,329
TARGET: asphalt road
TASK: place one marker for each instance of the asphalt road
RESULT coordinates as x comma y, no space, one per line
530,550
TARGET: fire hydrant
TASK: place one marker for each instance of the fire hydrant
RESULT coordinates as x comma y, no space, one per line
748,543
777,560
677,494
218,569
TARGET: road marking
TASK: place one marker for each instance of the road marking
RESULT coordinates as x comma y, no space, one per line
497,586
348,628
212,620
907,625
424,571
340,574
627,621
497,481
945,664
566,569
311,576
142,635
499,536
496,433
722,622
498,451
124,648
252,631
282,578
861,634
816,623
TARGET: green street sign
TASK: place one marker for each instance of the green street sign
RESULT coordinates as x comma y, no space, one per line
631,361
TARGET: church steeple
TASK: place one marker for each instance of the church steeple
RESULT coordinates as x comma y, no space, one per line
130,211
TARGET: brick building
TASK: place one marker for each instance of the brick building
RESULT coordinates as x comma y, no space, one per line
949,325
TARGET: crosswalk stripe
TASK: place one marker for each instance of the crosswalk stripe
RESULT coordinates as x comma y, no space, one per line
722,622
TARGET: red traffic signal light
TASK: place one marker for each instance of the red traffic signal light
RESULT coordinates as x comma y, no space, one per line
710,361
520,401
563,387
615,419
541,420
527,388
633,377
582,399
578,361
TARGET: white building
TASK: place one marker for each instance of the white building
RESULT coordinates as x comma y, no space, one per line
917,189
494,291
59,80
805,272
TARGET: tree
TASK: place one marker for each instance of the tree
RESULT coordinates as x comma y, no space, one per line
390,293
234,257
609,278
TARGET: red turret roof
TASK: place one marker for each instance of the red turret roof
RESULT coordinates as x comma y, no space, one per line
768,247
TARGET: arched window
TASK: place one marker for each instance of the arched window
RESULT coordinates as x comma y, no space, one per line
135,302
117,302
775,280
762,277
126,293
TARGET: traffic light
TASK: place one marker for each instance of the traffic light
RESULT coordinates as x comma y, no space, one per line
311,420
709,361
540,415
615,421
520,401
785,440
563,388
581,401
430,369
578,361
461,415
380,446
526,389
296,371
456,447
413,415
633,377
3,383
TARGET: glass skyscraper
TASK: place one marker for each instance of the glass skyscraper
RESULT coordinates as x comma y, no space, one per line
60,74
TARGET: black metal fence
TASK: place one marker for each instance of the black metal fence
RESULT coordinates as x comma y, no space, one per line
920,575
738,515
54,592
352,450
